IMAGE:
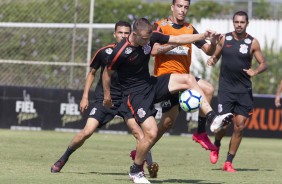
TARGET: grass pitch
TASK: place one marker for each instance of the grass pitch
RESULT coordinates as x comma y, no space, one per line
26,157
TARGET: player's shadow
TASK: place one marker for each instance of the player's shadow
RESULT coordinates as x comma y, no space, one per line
153,180
99,173
184,181
242,170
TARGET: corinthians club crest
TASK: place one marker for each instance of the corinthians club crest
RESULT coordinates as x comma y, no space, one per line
147,49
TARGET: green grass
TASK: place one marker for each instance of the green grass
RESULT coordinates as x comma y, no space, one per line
26,157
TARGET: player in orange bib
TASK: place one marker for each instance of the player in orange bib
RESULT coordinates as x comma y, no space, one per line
177,59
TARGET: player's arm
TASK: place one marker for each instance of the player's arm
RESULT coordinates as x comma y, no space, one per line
161,49
217,53
191,38
206,47
95,65
260,59
84,103
107,102
187,38
209,48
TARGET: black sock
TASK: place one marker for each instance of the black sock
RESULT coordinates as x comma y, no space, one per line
229,157
201,125
66,155
149,158
210,117
135,168
217,143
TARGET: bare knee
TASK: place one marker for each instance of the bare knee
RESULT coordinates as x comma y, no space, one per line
239,127
207,89
169,118
85,134
151,137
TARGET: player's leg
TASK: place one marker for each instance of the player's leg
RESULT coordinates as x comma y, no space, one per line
226,103
179,82
149,128
243,108
167,120
75,143
200,135
238,127
137,132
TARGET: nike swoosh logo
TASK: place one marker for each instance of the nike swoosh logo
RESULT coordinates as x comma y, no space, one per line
228,45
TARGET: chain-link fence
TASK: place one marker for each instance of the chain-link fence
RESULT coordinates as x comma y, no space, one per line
49,43
43,54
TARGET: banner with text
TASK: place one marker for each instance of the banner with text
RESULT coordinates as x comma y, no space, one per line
58,109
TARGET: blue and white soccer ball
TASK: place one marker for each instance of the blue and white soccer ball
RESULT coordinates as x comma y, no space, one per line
190,100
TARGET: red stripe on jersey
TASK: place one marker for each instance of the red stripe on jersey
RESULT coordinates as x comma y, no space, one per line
118,54
131,108
110,46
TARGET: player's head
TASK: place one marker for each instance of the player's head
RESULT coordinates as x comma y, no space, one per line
179,10
240,22
142,31
122,30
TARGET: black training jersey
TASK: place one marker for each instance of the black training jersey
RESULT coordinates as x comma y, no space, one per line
131,63
100,60
236,56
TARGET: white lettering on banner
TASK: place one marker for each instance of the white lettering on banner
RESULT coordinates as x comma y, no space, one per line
70,111
25,109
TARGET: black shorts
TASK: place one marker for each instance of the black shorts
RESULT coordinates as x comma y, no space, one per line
103,114
237,103
140,105
172,101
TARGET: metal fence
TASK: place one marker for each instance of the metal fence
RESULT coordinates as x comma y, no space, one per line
43,54
38,53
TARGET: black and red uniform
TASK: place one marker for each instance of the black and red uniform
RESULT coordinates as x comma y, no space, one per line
235,86
140,89
102,114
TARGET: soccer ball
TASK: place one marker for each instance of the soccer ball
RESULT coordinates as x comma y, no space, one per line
190,100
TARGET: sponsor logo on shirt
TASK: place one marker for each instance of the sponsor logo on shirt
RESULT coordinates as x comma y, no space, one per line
228,38
180,50
109,51
147,49
243,49
247,41
128,50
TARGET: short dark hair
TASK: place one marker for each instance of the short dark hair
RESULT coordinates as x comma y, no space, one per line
142,24
241,13
122,23
173,1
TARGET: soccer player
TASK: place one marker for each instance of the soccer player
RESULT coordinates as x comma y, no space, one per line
237,49
99,115
177,59
130,60
278,92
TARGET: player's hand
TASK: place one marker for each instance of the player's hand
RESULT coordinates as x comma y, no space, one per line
83,104
277,101
209,34
216,38
211,61
251,72
107,102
